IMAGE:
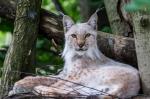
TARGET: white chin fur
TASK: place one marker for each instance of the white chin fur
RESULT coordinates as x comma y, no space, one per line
81,53
92,53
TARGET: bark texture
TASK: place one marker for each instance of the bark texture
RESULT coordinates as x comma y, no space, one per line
118,47
32,96
21,54
142,42
118,18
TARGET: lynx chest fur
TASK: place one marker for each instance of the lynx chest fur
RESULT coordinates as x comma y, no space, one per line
87,66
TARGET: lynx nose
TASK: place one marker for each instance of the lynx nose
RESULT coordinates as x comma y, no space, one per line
81,45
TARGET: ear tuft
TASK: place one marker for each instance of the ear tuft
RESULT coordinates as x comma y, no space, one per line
67,23
93,20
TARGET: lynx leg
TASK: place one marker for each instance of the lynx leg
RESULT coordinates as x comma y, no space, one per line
51,91
59,88
28,83
115,91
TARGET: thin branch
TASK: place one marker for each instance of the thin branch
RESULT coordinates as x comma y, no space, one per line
58,6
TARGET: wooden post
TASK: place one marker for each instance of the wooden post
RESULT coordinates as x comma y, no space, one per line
142,42
21,54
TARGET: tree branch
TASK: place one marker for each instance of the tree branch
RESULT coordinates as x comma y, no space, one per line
58,6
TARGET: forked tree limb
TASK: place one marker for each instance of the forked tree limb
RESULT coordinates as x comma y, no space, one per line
117,47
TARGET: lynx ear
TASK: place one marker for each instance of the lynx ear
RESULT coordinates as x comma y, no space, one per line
93,21
67,23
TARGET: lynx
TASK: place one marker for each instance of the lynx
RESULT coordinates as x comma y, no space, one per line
85,65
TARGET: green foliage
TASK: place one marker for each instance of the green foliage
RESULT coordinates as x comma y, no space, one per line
106,29
138,5
48,5
5,25
71,7
48,62
2,38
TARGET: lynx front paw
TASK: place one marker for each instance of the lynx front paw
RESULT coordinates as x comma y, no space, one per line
22,86
19,89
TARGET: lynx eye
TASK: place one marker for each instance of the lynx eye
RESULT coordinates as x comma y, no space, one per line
73,35
87,35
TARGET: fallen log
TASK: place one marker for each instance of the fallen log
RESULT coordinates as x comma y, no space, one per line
33,96
117,47
60,96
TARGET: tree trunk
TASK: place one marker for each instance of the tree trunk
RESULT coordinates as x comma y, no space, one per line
21,53
142,42
118,18
84,10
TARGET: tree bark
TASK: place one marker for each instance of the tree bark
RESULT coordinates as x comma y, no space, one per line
33,96
21,54
142,42
118,18
118,47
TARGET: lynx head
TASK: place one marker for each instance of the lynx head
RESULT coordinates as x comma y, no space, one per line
81,38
